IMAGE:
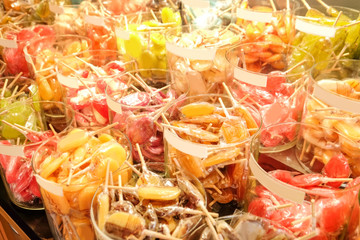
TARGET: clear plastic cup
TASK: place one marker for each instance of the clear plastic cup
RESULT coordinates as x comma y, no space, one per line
180,217
205,141
17,149
84,77
136,100
322,203
67,192
263,22
333,102
199,56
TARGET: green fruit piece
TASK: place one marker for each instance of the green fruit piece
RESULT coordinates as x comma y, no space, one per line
34,92
19,113
134,45
3,104
158,39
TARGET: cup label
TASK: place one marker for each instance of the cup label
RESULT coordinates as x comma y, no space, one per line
277,187
95,20
8,43
335,100
123,34
250,78
197,3
254,15
193,54
67,81
315,29
12,150
113,105
56,9
50,186
193,149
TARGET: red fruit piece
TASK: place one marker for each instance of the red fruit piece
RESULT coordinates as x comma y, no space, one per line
260,207
140,129
34,187
334,213
25,196
114,67
337,167
100,105
24,176
282,175
306,180
44,31
4,159
12,169
275,80
26,35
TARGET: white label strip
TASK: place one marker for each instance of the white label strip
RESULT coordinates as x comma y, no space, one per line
113,105
250,78
193,149
335,100
50,186
276,186
315,29
95,20
56,9
68,81
194,54
8,43
28,57
254,15
123,34
197,3
12,150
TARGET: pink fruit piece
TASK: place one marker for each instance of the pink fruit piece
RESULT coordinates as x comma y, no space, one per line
12,169
121,118
275,80
114,67
271,137
4,159
140,129
337,167
25,35
306,180
136,99
44,31
260,207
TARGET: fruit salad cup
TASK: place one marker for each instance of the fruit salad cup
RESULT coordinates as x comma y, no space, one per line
141,36
242,225
199,56
41,56
267,76
136,100
333,102
208,136
267,21
84,77
149,201
14,41
25,126
208,14
328,34
69,168
322,204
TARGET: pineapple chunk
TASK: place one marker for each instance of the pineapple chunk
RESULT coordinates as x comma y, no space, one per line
159,193
105,138
51,167
114,151
103,211
73,140
197,109
221,156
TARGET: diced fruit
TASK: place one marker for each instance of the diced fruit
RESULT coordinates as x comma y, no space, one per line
159,193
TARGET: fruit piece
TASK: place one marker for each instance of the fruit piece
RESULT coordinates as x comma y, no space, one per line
197,109
124,224
105,138
73,140
103,211
54,165
221,156
114,151
337,167
85,197
100,169
190,163
234,130
159,193
133,46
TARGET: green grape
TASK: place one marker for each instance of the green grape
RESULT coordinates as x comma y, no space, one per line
134,45
18,112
